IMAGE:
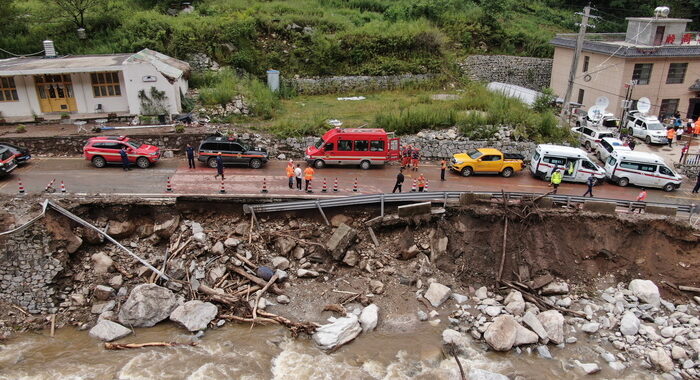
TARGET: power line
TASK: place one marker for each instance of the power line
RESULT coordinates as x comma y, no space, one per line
20,55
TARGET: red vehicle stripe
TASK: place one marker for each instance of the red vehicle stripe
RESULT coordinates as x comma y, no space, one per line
648,175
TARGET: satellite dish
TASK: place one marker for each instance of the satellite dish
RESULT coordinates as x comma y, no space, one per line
602,101
643,105
596,113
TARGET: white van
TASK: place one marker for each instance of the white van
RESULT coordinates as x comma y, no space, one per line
607,145
547,157
647,128
641,169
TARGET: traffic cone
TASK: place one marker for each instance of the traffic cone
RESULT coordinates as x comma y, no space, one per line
426,185
335,185
264,188
49,185
21,187
308,189
324,189
222,191
413,187
63,188
354,187
168,188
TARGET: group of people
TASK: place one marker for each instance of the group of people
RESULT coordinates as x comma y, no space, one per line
296,176
410,157
421,182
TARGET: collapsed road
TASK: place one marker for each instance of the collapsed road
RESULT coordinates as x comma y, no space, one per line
443,290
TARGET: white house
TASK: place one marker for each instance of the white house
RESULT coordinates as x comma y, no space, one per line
91,85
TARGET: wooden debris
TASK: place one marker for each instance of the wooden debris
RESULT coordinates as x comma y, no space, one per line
334,307
541,281
254,279
689,289
265,317
373,236
123,346
224,298
264,289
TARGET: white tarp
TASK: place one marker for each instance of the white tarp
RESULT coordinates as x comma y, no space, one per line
525,95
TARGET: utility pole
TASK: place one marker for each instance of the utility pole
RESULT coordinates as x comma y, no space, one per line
574,63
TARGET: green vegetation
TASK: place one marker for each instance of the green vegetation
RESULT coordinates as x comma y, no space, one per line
220,87
21,128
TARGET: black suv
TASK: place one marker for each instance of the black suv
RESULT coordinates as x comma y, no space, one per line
7,161
21,154
232,151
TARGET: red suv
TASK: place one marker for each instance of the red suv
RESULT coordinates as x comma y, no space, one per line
104,150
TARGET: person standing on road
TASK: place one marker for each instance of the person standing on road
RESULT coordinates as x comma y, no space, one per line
556,180
421,182
443,167
297,176
308,177
697,186
125,158
590,182
189,150
641,198
290,175
399,181
684,151
219,166
696,128
631,143
670,135
415,159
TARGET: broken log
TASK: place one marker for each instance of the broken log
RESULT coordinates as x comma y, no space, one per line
254,279
264,289
122,346
689,288
224,298
334,307
265,317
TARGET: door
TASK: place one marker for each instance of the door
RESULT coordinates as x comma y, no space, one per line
394,152
659,36
55,93
694,108
585,169
344,152
490,164
569,163
236,151
637,129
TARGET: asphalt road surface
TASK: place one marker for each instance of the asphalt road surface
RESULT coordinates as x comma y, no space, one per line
80,176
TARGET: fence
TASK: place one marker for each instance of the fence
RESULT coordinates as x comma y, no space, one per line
691,159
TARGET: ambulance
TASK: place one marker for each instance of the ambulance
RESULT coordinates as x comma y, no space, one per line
354,146
642,169
547,157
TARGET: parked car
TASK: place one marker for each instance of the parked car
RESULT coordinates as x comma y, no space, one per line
233,152
607,145
641,169
103,150
647,128
7,161
608,121
354,146
590,137
486,160
21,154
547,157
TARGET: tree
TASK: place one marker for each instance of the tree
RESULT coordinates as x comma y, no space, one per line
76,9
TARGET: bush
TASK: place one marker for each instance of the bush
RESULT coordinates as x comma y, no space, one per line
315,127
223,86
415,118
179,128
21,128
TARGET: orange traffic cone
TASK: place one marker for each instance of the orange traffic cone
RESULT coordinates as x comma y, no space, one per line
324,189
21,187
335,185
222,191
63,188
264,188
413,187
354,187
168,188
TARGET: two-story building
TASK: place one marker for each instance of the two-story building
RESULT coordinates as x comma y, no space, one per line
656,58
87,86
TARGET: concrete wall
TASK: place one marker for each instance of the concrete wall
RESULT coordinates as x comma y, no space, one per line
609,75
533,73
86,100
25,92
133,76
352,85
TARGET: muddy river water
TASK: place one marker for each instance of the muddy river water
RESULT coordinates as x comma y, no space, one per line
237,352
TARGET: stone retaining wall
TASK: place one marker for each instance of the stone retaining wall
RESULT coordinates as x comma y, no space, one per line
353,85
533,73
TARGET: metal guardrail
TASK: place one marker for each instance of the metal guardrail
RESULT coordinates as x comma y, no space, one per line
443,196
691,159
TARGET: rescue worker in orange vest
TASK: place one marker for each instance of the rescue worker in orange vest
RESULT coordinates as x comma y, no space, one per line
415,157
640,198
670,136
290,174
405,155
443,167
421,182
308,176
696,129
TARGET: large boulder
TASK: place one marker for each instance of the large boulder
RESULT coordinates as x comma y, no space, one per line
369,318
553,323
437,294
101,263
108,331
629,324
147,305
454,341
501,334
194,315
660,359
339,242
165,225
118,229
646,291
531,321
284,245
340,331
525,336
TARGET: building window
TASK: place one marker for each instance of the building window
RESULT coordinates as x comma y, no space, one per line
580,96
676,73
105,84
586,61
642,72
8,90
668,107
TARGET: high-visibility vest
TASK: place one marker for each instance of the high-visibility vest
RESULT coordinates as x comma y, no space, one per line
443,165
290,171
421,181
642,196
556,178
308,173
671,133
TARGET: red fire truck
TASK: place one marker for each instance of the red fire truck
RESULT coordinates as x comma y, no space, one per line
354,146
